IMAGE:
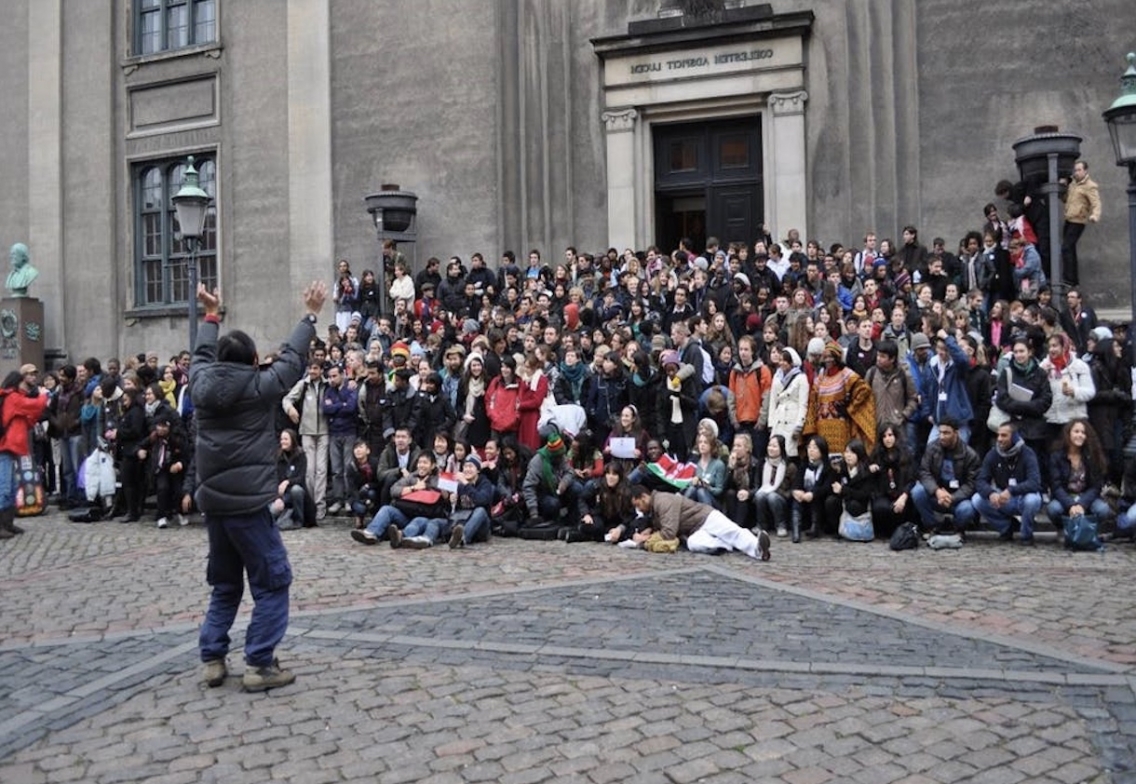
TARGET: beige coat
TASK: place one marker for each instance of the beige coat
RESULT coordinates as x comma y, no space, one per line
676,515
1082,201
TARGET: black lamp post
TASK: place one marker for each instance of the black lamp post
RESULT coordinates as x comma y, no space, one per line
191,203
1044,159
394,212
1121,119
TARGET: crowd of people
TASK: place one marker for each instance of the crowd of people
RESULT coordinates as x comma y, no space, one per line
796,389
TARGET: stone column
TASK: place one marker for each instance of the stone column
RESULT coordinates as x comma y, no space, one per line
786,179
619,125
310,241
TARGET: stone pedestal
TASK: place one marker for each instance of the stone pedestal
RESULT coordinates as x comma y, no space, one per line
21,333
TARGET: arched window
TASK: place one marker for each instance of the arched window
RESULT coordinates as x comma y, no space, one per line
161,256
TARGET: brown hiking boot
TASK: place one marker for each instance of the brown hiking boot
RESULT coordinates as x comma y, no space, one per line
214,673
457,537
265,678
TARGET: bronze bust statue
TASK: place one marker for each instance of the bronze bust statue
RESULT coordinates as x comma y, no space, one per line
22,274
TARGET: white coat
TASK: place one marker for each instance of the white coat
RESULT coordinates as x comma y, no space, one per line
787,409
1065,408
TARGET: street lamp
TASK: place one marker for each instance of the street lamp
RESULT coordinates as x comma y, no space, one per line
1121,119
191,204
394,212
1044,159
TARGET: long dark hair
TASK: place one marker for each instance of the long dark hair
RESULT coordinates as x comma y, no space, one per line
12,380
822,445
1091,453
856,447
583,451
295,442
614,503
897,454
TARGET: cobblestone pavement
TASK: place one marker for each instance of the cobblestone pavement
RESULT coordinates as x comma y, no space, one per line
527,662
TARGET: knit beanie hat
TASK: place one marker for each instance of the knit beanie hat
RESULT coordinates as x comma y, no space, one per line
555,444
400,349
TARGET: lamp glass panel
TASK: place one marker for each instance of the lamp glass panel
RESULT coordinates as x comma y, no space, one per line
1123,130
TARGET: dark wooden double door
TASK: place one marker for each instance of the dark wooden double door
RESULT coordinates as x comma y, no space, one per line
708,182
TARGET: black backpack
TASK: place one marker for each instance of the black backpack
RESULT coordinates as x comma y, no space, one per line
906,537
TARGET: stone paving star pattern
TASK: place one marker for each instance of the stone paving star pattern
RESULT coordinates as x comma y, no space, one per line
533,662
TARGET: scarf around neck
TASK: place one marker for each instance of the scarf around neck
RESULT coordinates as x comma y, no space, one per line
575,375
1015,448
772,473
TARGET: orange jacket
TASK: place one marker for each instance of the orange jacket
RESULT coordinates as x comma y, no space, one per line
749,386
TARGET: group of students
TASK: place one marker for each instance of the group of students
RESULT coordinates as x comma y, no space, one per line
110,436
798,390
793,405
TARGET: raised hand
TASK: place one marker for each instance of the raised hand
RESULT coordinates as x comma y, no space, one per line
315,294
210,300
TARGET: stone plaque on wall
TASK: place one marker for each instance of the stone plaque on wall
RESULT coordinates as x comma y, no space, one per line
171,106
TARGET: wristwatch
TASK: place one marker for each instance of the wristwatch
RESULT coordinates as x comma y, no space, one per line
310,318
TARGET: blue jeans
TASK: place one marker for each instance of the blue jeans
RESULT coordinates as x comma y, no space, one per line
701,495
7,481
1126,521
71,457
238,544
1098,509
383,519
340,453
477,522
772,510
366,501
1002,519
930,513
430,527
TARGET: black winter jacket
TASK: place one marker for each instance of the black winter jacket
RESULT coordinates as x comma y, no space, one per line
235,406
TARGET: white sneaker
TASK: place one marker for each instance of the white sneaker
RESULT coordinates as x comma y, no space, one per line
163,522
182,520
782,531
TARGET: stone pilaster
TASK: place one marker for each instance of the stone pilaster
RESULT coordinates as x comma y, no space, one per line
619,126
45,163
310,241
787,182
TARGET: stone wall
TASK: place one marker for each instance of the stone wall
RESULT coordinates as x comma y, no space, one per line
985,82
490,111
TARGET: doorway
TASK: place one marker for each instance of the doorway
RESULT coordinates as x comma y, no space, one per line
708,182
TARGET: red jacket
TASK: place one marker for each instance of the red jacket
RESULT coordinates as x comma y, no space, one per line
20,413
501,405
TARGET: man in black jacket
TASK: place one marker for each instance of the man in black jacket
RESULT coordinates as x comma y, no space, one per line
948,476
235,402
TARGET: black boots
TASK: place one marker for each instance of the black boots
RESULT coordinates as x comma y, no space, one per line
133,505
8,527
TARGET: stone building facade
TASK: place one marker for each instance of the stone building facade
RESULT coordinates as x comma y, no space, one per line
520,124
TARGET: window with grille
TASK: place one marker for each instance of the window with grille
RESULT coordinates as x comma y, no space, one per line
161,255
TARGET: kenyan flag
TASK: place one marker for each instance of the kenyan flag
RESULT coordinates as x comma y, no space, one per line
674,473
